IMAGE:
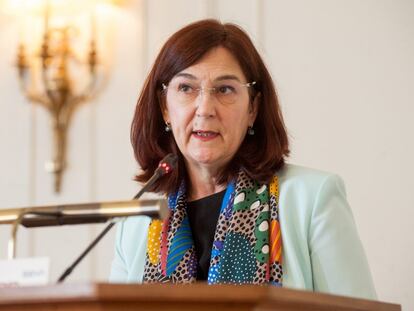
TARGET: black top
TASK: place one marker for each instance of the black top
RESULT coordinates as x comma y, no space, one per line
203,215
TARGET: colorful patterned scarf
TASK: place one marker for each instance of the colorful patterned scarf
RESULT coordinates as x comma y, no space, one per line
247,247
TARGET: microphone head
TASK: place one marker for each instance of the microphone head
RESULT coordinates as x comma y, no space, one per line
167,164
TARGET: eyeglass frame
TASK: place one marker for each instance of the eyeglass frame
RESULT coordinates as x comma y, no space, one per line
210,89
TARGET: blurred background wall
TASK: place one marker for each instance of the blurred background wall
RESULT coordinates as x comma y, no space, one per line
344,71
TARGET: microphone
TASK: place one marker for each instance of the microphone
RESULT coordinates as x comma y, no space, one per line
79,213
166,165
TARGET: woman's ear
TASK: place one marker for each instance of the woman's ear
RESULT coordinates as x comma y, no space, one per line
165,115
254,107
164,110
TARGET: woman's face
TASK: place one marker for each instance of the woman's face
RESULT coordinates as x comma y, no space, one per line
209,124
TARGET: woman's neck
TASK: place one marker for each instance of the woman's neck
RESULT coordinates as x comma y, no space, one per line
202,183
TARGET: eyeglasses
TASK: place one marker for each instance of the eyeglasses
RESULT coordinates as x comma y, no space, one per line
226,92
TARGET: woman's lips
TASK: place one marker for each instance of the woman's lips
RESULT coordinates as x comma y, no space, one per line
204,135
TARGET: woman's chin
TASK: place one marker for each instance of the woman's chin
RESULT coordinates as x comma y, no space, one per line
205,159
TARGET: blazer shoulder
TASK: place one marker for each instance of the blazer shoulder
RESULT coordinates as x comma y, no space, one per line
303,190
304,178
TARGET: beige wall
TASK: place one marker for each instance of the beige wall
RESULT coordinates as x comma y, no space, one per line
344,70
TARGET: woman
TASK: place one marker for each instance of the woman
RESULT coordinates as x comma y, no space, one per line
238,213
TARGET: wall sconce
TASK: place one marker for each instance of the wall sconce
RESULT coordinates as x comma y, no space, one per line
59,76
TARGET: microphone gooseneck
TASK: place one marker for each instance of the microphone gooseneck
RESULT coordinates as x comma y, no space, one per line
166,165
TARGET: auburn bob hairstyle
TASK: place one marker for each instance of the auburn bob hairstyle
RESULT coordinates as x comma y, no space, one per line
260,155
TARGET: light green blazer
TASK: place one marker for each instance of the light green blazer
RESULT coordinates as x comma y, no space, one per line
321,250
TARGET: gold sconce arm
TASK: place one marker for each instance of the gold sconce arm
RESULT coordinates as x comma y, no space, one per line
51,69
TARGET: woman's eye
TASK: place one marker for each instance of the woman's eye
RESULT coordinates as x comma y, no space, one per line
185,88
225,89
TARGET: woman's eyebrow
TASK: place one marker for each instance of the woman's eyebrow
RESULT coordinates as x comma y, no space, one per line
227,77
219,78
185,75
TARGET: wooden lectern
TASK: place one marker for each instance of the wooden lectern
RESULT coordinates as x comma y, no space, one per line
199,297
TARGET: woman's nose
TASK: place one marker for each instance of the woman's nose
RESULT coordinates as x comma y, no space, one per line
206,103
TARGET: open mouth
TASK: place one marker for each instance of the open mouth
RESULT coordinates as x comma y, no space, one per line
205,134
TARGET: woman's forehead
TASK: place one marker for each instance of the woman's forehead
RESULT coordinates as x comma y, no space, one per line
217,64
